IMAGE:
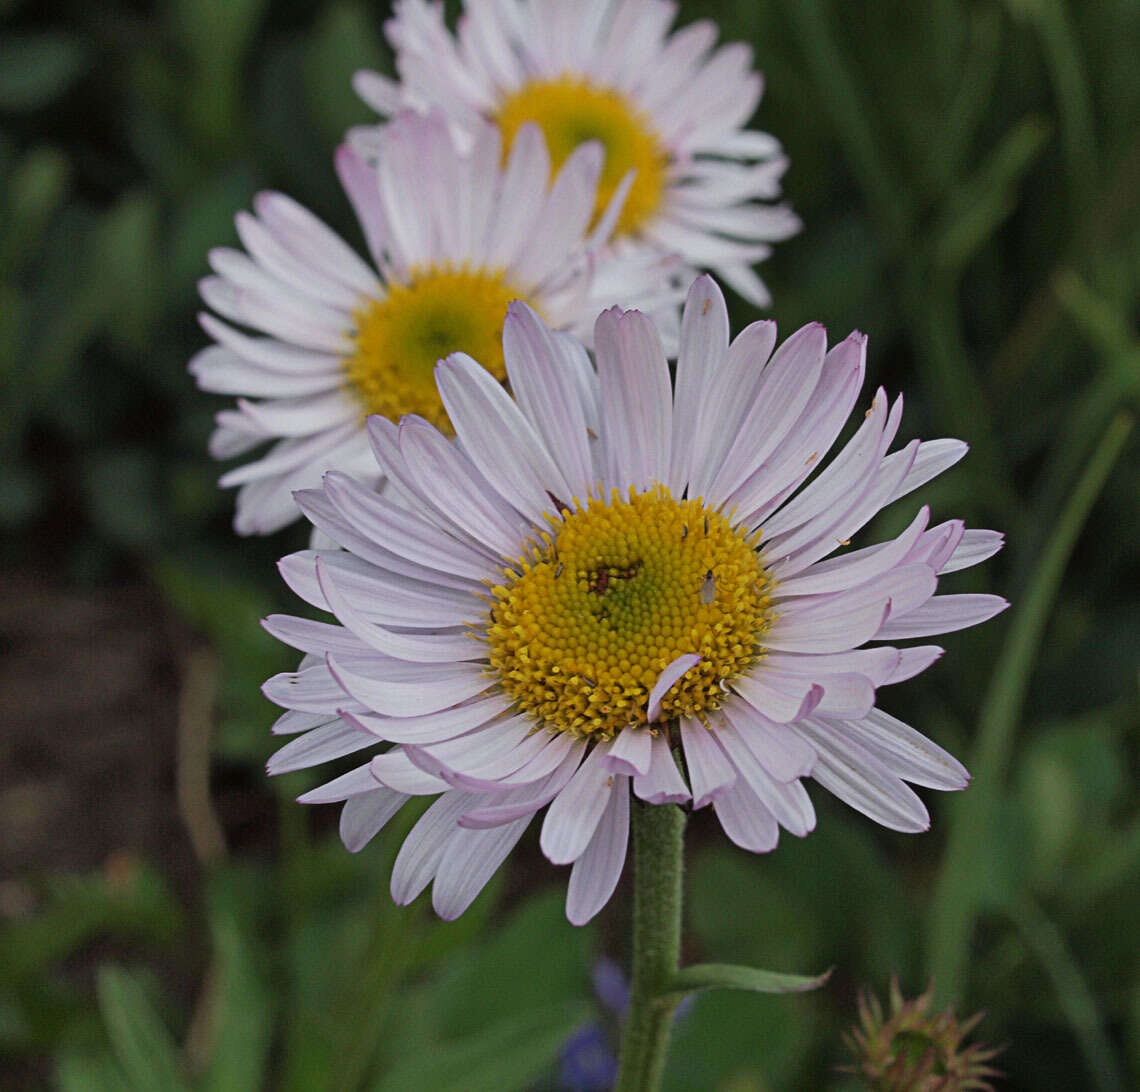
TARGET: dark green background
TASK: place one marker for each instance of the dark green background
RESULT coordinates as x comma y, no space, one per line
968,175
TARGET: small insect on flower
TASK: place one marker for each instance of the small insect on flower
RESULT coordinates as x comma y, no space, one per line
708,588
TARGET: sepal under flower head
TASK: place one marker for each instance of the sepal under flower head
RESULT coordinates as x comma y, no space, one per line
916,1048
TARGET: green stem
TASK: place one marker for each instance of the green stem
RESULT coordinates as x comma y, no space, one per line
658,846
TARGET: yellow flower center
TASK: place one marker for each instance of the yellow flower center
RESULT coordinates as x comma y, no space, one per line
586,621
399,338
570,111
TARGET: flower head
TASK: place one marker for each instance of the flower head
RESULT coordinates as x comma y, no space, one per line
608,584
455,234
915,1049
668,109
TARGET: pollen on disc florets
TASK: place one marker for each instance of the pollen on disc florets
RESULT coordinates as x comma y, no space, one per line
584,624
398,339
570,111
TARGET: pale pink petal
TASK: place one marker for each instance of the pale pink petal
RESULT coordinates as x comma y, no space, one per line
575,813
596,872
470,859
631,752
745,819
942,614
662,783
363,817
665,681
423,849
709,768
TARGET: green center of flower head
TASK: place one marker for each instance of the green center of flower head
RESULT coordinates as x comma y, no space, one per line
441,309
585,622
571,111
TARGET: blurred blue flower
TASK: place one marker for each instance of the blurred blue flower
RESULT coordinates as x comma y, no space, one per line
611,985
588,1063
588,1060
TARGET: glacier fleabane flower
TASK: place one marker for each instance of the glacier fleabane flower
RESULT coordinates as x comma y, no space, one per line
667,106
609,585
455,234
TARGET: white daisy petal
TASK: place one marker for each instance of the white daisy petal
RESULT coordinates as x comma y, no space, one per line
783,753
704,343
438,648
309,636
637,404
974,548
354,783
547,394
934,457
913,661
731,392
858,778
363,817
440,469
221,371
596,872
483,414
574,816
320,745
942,614
434,727
292,721
631,752
709,768
405,603
411,699
470,859
782,394
908,753
403,532
786,800
673,671
423,849
662,783
538,796
745,819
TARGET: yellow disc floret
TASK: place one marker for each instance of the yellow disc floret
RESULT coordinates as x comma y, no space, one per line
571,111
441,309
584,624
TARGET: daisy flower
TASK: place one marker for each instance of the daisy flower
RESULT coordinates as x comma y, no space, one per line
455,234
666,106
609,585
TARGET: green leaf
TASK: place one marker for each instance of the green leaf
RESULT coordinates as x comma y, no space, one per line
733,976
242,1016
126,263
982,202
505,1057
343,41
35,69
142,1045
82,1072
81,908
491,979
36,188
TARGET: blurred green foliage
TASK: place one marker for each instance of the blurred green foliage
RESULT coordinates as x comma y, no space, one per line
968,173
